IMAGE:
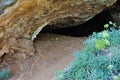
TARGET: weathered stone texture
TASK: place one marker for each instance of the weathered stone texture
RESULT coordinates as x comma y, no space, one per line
25,18
115,12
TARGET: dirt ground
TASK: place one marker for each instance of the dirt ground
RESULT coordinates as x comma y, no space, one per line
53,52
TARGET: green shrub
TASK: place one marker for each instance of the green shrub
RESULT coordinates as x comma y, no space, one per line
5,74
99,60
100,44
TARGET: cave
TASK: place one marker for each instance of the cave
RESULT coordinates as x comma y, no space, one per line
56,45
96,24
50,49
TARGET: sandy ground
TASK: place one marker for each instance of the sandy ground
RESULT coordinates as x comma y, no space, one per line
53,52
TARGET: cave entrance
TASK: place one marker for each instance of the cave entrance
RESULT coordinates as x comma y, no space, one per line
54,51
93,25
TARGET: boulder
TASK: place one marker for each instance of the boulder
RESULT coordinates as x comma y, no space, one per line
26,18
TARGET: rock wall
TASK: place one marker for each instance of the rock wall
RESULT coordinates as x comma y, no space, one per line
26,18
115,12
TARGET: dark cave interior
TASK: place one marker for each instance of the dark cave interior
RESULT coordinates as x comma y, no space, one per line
93,25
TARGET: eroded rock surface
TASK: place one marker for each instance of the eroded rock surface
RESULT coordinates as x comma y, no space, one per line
26,18
115,12
4,4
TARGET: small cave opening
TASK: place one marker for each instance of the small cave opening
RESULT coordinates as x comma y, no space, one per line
96,24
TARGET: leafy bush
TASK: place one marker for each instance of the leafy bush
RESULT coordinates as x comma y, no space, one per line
99,60
5,74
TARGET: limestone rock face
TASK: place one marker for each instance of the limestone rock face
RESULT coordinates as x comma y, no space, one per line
115,12
26,18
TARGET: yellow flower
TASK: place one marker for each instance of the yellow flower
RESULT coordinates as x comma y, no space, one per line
106,25
107,42
105,34
116,78
110,67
